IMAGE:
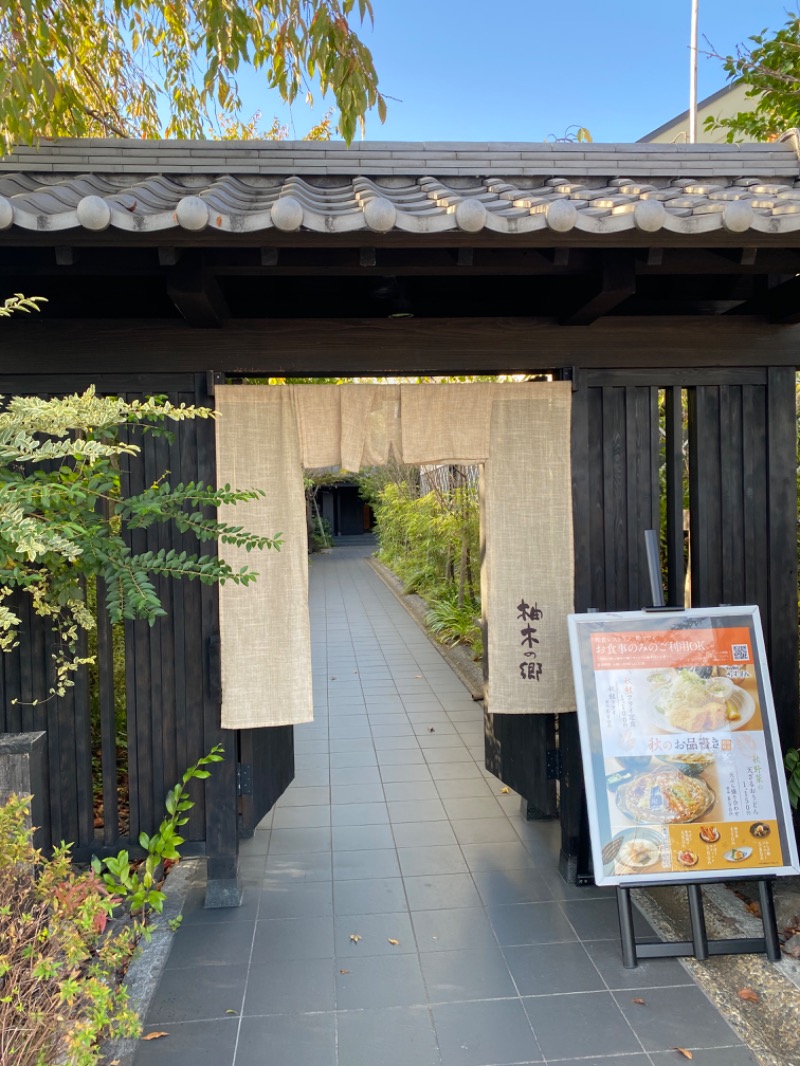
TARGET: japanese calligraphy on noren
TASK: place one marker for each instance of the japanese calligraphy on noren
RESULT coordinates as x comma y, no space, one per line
680,746
531,667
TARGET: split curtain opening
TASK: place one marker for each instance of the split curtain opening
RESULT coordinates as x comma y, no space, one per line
520,433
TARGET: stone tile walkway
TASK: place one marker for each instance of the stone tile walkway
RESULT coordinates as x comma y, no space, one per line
398,909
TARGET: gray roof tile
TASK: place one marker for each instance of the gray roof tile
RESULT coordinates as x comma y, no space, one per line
420,185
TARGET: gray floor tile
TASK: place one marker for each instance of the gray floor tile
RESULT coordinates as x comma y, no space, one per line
375,933
484,830
422,834
405,772
463,929
403,742
416,811
432,739
350,744
361,864
204,992
506,856
288,1039
598,919
302,817
436,891
298,840
463,788
355,775
362,837
467,809
298,867
304,797
544,969
195,913
340,759
650,973
277,939
399,1036
209,947
437,756
489,1032
356,794
360,814
498,887
290,986
197,1043
619,1060
410,790
587,1023
452,771
400,757
676,1017
313,899
738,1055
369,896
379,981
530,923
437,859
453,976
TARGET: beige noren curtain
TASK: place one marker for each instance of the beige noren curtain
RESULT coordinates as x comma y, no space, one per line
265,436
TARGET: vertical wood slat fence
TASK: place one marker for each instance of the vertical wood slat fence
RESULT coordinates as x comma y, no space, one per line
171,678
742,495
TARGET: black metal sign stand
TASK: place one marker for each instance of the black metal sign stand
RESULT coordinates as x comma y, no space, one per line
699,946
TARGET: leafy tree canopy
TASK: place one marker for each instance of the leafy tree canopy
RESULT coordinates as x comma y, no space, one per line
168,68
769,65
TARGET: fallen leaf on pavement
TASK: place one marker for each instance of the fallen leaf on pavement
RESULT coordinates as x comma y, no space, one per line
154,1036
231,1012
639,1002
395,942
755,908
749,995
344,971
505,791
355,937
685,1052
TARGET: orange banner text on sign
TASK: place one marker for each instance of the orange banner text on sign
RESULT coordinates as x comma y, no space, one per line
673,648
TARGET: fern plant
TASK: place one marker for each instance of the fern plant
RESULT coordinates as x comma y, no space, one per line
63,518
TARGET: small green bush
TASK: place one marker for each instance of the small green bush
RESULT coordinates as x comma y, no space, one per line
60,963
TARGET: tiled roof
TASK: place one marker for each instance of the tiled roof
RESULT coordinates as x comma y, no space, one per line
251,187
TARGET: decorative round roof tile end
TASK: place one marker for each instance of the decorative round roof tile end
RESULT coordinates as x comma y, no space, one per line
561,216
94,213
380,214
470,216
287,214
649,216
737,216
192,213
6,212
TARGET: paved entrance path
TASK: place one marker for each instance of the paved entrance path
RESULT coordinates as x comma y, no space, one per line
398,910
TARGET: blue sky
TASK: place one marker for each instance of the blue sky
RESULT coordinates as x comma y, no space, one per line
527,69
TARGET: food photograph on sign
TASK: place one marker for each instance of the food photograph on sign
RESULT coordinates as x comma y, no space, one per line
680,746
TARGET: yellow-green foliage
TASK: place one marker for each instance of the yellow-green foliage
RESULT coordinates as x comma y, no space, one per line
63,517
59,962
432,543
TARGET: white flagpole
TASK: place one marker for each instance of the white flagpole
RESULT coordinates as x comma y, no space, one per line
693,75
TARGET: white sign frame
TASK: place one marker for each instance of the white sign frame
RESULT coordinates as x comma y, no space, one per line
623,664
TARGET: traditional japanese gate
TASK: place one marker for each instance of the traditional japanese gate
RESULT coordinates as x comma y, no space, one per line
233,260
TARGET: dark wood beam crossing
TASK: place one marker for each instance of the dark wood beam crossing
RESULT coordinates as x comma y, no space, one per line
617,284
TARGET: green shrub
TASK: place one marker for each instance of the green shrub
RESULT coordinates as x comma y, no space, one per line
60,964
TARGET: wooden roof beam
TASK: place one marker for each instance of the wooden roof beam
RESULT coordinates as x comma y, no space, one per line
782,302
196,294
617,283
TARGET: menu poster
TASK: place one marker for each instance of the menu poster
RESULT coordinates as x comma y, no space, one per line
684,773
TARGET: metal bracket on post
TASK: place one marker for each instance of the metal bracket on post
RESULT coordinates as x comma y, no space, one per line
214,378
